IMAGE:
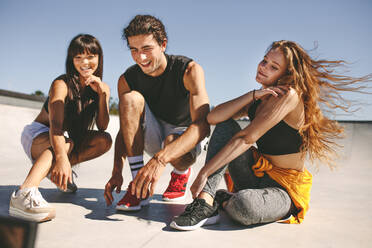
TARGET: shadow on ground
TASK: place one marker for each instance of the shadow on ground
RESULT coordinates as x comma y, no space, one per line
93,200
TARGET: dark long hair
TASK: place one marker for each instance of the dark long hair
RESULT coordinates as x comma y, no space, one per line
81,104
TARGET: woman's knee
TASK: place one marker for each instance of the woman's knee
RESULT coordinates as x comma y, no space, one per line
69,146
104,141
242,209
230,125
224,131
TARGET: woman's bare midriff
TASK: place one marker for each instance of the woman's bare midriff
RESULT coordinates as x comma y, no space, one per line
43,117
288,161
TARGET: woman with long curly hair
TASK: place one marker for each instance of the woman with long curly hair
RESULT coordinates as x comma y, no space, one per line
270,182
77,100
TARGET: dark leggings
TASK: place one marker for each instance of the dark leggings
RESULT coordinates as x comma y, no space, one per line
257,200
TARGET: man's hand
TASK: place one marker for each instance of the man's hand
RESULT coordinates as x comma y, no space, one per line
149,174
115,182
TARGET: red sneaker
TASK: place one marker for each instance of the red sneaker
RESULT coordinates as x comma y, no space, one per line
130,202
176,190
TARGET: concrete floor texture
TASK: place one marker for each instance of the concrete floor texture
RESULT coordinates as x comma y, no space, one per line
339,216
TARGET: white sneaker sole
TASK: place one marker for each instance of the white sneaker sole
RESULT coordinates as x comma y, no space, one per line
143,203
182,197
15,212
208,221
175,199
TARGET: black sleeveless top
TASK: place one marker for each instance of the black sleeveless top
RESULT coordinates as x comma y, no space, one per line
280,139
165,94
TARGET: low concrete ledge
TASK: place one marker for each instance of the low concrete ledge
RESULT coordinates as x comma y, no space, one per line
22,95
20,99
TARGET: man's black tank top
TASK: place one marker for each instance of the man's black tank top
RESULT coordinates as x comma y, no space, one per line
165,94
280,139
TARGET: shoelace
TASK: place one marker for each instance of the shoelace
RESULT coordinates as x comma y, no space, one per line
35,198
195,209
175,184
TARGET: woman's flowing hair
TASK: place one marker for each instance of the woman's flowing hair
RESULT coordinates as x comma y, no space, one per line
317,84
81,106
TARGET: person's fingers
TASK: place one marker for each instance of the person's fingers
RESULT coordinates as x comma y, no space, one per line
152,187
133,186
110,197
65,178
108,194
137,184
145,189
104,196
139,187
70,177
87,82
283,89
280,90
59,180
118,189
54,178
108,200
273,92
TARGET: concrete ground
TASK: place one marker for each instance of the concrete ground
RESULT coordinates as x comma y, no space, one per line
340,209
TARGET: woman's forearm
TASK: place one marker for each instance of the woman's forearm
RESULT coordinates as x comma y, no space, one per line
228,109
233,149
103,111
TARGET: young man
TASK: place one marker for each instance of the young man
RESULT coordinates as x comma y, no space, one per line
163,108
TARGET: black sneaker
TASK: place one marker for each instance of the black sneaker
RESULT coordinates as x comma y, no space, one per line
222,195
196,214
71,187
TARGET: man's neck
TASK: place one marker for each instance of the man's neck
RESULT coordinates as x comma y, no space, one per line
161,68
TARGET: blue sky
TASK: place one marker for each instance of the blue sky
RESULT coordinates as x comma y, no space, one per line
227,38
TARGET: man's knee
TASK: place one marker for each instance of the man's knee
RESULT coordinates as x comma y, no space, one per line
170,138
132,99
183,162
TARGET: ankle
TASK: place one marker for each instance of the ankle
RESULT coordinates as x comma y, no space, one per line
207,197
180,172
27,186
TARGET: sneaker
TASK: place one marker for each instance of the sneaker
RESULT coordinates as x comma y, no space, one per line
130,202
222,195
71,187
176,190
29,204
196,214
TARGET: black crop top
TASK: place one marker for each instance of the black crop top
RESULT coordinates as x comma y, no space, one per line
280,139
